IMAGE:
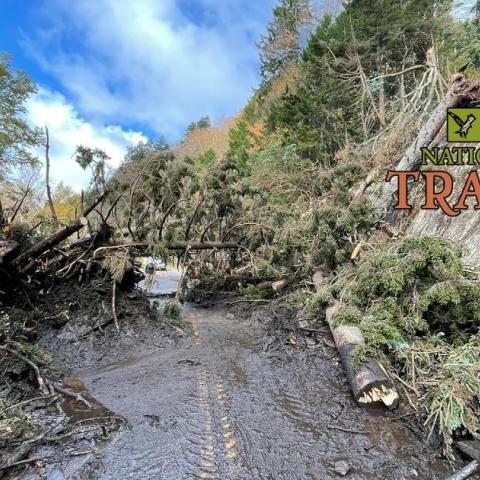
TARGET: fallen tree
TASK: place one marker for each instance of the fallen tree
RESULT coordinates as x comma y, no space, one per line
369,382
460,91
24,262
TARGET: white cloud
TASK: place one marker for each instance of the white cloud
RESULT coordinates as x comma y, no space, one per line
160,64
67,129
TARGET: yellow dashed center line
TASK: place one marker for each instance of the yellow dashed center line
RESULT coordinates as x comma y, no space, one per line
207,450
228,434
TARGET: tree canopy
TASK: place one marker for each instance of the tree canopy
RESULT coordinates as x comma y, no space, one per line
16,137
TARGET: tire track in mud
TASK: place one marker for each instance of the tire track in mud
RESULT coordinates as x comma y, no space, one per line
220,453
296,411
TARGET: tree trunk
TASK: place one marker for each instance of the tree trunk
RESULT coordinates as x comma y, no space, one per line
459,90
2,217
369,382
47,178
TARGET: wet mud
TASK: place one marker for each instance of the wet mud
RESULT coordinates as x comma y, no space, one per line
225,402
221,407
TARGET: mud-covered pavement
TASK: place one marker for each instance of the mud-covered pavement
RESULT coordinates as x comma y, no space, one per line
229,401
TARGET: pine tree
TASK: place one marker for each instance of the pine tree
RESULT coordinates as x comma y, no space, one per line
282,45
350,68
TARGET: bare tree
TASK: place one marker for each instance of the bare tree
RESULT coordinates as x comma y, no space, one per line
47,178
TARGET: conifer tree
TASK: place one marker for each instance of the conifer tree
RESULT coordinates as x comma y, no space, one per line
282,45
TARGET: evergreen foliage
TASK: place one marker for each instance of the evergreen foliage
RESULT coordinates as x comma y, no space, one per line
16,137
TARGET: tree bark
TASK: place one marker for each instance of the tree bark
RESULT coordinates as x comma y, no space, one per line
465,472
470,448
2,217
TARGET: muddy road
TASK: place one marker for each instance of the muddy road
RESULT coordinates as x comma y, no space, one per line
227,401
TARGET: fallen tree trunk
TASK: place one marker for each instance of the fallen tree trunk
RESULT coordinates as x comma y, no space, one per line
183,245
58,237
369,383
180,245
458,91
465,472
8,248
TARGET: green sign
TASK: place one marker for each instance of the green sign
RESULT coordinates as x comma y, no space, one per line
463,125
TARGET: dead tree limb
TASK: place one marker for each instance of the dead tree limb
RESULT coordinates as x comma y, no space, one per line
20,203
207,228
42,385
465,472
192,219
458,91
133,189
2,216
47,178
56,238
169,211
75,395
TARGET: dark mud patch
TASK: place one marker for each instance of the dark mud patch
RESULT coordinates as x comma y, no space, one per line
228,395
78,331
231,402
85,407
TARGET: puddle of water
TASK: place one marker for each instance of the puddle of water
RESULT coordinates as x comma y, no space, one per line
77,410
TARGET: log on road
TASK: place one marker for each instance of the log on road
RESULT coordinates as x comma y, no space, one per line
465,472
370,383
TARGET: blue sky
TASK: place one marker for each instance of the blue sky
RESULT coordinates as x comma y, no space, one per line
113,72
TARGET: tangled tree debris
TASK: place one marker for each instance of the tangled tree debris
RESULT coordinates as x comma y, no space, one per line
284,206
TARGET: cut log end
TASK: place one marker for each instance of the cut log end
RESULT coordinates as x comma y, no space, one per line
369,383
382,394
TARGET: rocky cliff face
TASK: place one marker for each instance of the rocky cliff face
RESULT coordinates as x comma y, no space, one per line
464,229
